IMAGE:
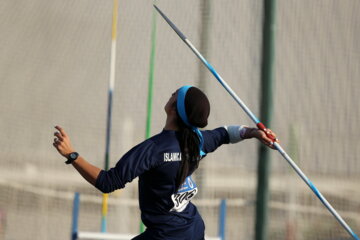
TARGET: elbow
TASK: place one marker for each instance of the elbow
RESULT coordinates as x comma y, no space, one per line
106,183
105,190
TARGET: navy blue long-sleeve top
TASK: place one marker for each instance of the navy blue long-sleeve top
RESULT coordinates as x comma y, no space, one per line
167,213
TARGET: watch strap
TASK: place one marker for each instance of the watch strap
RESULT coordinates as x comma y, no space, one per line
72,157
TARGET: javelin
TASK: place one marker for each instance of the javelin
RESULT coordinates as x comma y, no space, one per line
261,126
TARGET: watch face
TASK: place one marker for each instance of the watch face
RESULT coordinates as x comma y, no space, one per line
72,157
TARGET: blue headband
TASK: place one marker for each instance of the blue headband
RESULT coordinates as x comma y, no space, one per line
182,113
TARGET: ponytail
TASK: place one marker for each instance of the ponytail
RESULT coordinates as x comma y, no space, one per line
190,154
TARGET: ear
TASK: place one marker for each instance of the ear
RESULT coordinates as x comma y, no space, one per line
174,105
173,108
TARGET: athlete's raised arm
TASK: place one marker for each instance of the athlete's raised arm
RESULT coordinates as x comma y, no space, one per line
63,145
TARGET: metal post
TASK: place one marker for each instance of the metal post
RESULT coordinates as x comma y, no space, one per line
267,75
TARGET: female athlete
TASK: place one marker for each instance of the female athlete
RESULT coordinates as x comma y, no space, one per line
164,164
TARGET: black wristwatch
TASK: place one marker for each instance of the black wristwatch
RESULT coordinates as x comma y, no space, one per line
72,157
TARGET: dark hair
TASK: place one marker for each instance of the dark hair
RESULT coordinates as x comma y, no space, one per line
197,109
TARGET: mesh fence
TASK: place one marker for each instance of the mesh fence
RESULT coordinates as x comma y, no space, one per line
54,70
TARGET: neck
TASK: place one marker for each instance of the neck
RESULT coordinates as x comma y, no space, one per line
171,123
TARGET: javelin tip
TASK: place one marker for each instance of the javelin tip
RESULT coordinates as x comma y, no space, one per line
172,25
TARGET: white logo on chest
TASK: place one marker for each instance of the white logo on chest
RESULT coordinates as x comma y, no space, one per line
172,157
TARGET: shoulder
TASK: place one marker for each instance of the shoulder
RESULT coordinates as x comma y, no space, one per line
144,148
160,141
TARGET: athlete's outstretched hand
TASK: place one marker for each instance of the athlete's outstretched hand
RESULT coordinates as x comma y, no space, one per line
62,142
263,136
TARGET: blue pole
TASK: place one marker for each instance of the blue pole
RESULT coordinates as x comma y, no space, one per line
222,219
75,216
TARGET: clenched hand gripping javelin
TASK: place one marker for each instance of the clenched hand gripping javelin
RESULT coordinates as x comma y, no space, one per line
261,126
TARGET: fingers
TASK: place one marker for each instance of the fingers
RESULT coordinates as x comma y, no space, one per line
57,142
62,142
61,130
267,141
270,134
59,136
268,138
